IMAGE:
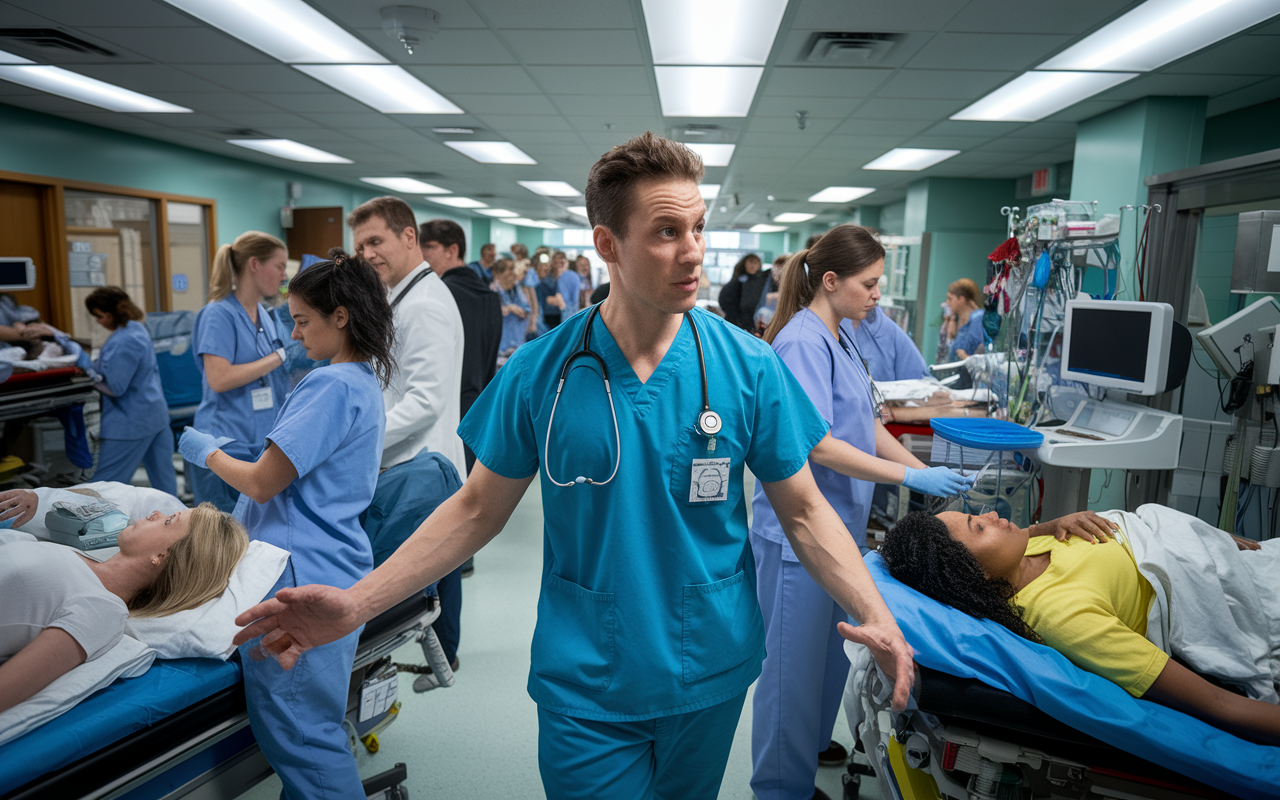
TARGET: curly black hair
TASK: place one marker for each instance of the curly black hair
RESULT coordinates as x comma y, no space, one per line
351,282
920,552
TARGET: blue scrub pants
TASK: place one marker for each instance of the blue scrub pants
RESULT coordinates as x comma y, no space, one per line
118,459
448,626
803,678
296,716
208,487
680,757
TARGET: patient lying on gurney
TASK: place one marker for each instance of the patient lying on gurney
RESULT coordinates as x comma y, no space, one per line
59,609
1118,594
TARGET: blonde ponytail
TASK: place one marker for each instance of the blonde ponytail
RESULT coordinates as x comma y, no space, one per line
230,260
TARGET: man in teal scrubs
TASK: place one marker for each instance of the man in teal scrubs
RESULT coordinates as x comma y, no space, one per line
649,632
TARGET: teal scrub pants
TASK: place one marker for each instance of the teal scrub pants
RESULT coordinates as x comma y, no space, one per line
680,757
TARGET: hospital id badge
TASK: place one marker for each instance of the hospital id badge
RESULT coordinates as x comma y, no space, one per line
709,480
262,399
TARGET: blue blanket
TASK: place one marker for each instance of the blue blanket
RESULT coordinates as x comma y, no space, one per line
955,643
123,707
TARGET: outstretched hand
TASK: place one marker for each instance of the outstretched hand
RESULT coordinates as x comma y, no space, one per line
296,620
891,652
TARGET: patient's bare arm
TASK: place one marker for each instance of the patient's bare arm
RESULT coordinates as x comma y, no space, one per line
1179,688
49,656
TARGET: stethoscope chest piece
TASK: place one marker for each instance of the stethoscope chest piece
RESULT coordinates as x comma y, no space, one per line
709,423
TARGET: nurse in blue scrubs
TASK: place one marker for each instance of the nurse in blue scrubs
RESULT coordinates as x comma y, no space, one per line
135,416
240,351
890,353
962,299
305,494
803,677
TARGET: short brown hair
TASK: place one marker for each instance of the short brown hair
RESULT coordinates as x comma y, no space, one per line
612,181
114,301
392,210
966,288
445,232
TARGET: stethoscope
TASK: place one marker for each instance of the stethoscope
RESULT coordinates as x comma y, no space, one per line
872,392
709,423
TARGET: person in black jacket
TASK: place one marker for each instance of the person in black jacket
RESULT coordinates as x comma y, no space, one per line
740,295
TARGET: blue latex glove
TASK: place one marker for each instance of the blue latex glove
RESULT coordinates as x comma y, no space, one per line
72,349
938,481
196,446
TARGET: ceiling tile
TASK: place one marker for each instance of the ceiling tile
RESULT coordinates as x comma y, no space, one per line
614,47
502,122
1180,85
996,51
874,15
521,138
367,13
946,142
794,142
594,80
13,17
1085,110
594,123
327,103
265,121
483,104
264,78
449,79
206,122
814,128
216,102
1079,16
884,108
125,13
1241,55
203,45
1012,144
356,121
148,78
459,46
794,48
1047,130
1257,93
557,14
823,81
881,127
580,104
942,84
316,136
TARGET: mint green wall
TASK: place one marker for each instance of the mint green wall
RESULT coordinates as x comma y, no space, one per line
1240,133
480,235
249,195
892,218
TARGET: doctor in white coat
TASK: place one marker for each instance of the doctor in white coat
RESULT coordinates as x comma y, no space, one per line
422,399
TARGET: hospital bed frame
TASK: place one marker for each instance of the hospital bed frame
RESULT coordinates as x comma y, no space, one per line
207,751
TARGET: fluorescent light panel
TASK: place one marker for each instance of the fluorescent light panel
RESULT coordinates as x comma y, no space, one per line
385,87
458,202
10,58
840,194
550,188
1036,95
289,30
288,148
712,155
531,223
496,212
762,228
492,152
910,159
712,31
709,191
580,211
74,86
794,216
407,185
1160,31
707,91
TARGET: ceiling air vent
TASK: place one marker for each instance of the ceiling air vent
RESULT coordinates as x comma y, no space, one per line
53,39
852,49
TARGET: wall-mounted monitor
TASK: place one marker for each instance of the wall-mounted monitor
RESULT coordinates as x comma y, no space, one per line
17,274
1118,344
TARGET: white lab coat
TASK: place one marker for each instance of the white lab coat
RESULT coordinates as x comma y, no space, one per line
424,396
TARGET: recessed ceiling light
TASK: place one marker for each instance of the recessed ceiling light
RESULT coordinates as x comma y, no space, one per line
74,86
840,194
550,188
288,148
707,91
794,216
385,87
10,58
580,211
1036,95
709,191
407,185
492,152
713,155
458,202
762,228
496,212
290,30
453,130
712,31
531,223
1159,31
910,159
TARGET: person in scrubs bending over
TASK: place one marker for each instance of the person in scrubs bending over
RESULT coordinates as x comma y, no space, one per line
648,631
803,677
305,494
240,353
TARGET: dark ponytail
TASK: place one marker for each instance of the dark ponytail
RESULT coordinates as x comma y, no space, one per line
350,282
114,301
845,250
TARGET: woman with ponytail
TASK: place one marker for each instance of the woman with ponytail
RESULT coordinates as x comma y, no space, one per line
305,494
804,671
240,352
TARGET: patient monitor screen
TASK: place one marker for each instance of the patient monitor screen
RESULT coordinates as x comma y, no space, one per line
1110,343
13,273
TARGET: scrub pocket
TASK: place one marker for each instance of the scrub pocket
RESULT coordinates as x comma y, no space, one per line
702,477
722,627
574,638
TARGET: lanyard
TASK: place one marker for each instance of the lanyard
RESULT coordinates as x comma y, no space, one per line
872,392
412,284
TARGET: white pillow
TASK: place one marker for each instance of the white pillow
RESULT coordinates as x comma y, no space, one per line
207,631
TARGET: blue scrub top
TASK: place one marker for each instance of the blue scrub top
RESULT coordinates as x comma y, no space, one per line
570,286
127,364
890,353
648,605
514,330
839,387
223,328
970,337
331,430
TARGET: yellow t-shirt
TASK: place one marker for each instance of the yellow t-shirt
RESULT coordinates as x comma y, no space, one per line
1091,605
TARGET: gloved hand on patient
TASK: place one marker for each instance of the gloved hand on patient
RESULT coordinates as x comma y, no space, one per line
196,446
937,481
72,348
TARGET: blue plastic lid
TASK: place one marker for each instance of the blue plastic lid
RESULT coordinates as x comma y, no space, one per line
986,434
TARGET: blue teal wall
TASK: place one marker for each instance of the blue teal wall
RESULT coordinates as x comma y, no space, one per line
891,218
1240,133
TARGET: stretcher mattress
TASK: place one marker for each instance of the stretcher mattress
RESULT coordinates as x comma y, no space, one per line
113,713
953,642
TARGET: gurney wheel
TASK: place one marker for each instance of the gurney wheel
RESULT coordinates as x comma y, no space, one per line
851,784
371,743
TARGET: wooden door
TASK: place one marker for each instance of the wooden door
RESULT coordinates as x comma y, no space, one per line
24,233
314,231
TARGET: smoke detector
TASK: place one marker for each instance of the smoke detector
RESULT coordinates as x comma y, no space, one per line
411,26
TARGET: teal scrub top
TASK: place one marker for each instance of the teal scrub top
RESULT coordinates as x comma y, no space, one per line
648,605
